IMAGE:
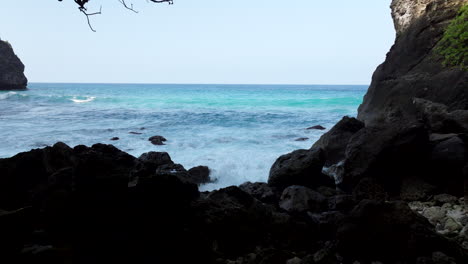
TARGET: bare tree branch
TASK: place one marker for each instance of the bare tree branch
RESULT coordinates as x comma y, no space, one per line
126,6
82,7
84,11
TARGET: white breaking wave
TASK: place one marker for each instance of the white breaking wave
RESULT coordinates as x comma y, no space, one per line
7,95
87,100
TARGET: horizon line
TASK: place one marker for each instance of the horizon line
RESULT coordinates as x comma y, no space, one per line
183,83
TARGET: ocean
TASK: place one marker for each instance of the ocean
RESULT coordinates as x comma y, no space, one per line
236,130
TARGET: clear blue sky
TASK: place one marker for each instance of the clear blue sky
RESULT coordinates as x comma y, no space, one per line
201,41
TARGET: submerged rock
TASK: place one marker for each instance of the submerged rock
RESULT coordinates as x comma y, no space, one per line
317,127
157,140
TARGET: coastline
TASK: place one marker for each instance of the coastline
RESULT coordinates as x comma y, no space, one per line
390,186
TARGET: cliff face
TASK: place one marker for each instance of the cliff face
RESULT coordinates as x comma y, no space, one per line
412,67
11,69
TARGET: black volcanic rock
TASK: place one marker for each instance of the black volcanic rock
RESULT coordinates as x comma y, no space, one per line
300,199
260,190
335,141
413,68
11,69
200,175
317,127
157,140
300,167
388,154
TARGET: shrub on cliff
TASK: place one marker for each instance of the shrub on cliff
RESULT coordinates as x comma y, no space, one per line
454,44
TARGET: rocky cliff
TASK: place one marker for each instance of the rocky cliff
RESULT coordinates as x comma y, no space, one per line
11,69
413,67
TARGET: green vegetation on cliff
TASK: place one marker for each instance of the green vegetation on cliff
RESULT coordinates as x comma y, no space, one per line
454,44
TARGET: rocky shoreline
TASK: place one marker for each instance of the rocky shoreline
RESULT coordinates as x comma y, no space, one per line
98,205
390,186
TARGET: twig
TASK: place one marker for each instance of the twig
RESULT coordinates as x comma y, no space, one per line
126,6
83,10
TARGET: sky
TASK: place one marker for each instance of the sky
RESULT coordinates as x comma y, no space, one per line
201,41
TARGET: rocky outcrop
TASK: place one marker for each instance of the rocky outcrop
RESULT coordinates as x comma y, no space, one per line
334,142
100,205
300,167
413,68
11,69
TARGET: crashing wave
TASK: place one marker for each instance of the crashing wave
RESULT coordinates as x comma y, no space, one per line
87,100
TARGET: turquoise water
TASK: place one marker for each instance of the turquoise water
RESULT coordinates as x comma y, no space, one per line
236,130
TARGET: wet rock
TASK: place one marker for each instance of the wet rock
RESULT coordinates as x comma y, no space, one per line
301,139
260,191
317,127
135,133
115,138
157,140
300,167
299,199
200,175
334,142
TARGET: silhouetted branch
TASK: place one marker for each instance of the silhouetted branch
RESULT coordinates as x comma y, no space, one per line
82,7
84,11
126,6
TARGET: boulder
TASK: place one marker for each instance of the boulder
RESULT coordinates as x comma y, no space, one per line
11,69
227,217
334,142
300,199
388,154
24,174
317,127
200,175
300,167
157,140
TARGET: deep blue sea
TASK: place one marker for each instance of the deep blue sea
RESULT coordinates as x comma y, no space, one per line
236,130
